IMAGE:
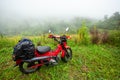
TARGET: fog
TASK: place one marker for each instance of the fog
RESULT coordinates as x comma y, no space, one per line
37,16
58,8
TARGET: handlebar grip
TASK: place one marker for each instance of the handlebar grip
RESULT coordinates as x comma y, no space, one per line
50,36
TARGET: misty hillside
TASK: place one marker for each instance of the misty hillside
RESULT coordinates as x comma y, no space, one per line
34,26
38,26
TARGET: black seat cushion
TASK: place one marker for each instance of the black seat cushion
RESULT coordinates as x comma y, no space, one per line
43,49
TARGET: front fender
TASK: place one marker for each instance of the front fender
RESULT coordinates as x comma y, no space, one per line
63,54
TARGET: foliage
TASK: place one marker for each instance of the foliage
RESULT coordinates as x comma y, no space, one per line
114,37
98,36
111,37
83,34
113,22
94,35
89,62
1,35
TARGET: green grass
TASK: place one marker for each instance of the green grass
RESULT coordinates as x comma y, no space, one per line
90,62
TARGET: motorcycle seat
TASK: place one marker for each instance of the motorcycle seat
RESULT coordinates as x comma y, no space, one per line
43,49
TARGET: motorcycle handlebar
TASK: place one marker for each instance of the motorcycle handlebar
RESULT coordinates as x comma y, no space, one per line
53,36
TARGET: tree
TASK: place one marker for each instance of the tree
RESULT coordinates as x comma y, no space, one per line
113,22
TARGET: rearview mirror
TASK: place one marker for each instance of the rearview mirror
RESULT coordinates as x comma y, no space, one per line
67,29
49,31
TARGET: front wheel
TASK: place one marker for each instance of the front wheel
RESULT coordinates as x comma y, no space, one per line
28,67
68,55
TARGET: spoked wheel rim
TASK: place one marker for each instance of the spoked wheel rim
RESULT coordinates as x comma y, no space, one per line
29,67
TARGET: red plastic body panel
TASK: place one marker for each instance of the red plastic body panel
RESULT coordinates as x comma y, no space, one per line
52,52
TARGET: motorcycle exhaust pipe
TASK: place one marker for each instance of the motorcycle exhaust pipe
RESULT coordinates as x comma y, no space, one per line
36,59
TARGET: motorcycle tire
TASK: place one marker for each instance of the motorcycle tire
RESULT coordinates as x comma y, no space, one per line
26,68
68,55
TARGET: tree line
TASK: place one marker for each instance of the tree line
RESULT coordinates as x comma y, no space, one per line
111,23
38,27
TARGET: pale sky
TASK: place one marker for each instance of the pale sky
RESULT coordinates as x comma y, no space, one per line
59,8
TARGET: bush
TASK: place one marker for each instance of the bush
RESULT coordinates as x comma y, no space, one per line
83,35
97,36
114,38
94,35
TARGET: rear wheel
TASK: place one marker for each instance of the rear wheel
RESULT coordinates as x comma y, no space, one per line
68,55
29,67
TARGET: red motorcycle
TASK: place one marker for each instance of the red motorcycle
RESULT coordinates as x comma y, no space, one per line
45,56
